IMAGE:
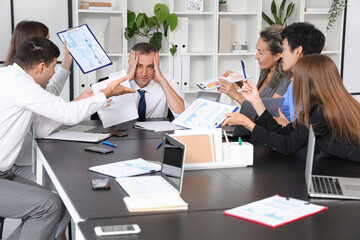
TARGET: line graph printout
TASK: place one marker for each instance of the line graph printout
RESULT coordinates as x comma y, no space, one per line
84,48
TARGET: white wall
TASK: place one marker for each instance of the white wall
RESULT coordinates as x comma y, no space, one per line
351,53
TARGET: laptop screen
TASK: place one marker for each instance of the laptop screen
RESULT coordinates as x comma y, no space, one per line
173,162
309,158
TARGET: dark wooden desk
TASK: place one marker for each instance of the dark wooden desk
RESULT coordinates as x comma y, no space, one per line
208,193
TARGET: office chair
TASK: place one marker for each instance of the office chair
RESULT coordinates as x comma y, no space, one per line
214,96
1,226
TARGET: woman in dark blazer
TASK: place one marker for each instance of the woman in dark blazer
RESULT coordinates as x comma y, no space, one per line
320,100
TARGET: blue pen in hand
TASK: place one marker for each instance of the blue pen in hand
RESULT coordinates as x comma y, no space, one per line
109,144
243,68
159,145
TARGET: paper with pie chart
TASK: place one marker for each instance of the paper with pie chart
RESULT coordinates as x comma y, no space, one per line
236,76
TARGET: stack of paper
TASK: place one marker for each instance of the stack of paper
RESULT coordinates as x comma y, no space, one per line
127,168
155,203
156,126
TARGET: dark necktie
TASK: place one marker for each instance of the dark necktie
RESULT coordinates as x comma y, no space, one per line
142,104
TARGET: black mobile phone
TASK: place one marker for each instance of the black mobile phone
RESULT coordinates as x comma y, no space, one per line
99,149
100,184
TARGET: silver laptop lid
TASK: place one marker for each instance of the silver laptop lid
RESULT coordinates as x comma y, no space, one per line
309,158
172,168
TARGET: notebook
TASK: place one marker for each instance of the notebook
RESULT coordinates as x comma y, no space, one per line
78,136
171,175
271,104
328,186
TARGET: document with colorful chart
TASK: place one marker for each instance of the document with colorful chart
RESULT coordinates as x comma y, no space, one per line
203,114
275,211
233,77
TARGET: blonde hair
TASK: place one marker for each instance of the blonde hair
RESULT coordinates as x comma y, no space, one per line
317,80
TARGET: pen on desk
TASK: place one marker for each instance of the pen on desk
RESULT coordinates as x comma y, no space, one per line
109,144
243,68
159,145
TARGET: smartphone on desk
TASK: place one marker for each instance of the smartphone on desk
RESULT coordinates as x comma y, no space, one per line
117,230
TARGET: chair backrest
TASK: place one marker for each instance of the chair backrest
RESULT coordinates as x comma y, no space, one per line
214,96
1,226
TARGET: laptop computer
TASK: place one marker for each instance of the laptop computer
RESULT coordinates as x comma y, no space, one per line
171,175
271,104
328,186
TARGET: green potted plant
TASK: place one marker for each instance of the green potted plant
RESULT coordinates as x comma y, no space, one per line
222,6
279,17
152,28
336,9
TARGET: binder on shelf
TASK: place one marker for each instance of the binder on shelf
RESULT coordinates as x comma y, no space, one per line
180,35
225,45
113,35
177,70
185,73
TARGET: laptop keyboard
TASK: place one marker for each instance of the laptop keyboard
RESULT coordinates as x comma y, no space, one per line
145,186
326,185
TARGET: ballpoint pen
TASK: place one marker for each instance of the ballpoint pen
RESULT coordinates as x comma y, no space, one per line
243,68
109,144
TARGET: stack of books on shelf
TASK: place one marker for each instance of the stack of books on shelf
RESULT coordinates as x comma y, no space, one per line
101,6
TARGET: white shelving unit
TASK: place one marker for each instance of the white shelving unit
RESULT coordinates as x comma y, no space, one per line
205,60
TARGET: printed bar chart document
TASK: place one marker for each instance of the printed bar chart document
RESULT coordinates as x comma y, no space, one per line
275,211
203,114
85,48
233,77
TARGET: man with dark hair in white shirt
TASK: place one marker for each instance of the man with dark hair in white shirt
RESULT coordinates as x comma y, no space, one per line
24,101
156,93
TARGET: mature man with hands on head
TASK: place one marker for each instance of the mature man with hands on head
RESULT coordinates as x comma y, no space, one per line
156,93
23,101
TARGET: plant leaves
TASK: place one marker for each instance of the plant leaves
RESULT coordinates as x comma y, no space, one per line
278,20
166,28
152,22
130,18
273,8
289,10
156,40
173,50
161,11
172,20
140,21
267,19
281,10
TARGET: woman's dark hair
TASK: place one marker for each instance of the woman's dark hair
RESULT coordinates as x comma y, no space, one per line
272,37
23,30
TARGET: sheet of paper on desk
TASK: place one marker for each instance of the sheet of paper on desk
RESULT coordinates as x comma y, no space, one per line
157,126
275,211
78,136
122,108
233,77
203,114
127,168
